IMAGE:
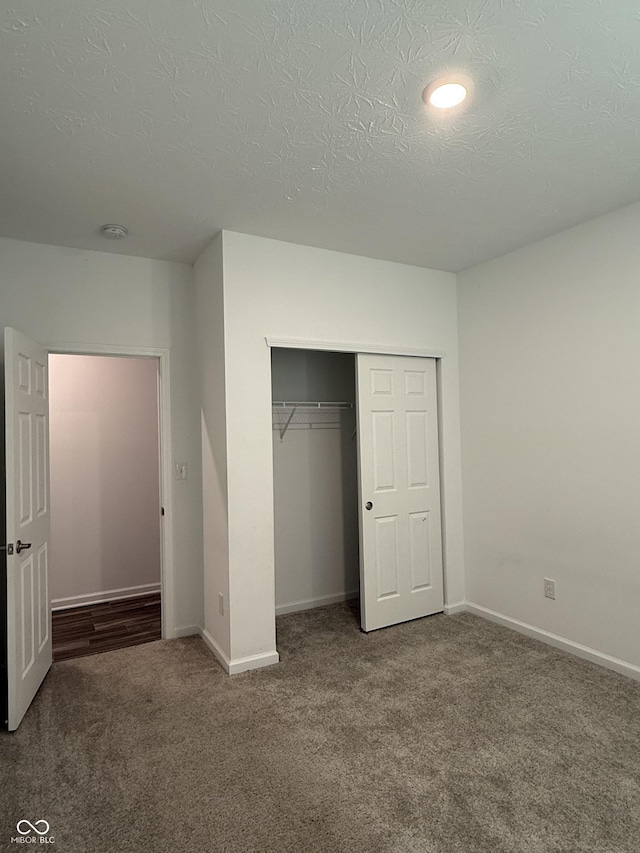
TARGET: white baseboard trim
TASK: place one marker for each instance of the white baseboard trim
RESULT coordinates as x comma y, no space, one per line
253,662
186,631
215,648
233,667
310,603
456,607
580,651
106,595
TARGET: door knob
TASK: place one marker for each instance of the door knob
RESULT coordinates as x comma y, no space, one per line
368,505
22,546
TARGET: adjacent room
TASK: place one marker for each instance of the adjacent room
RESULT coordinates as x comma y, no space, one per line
105,565
320,390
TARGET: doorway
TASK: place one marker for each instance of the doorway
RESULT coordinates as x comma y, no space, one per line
315,479
105,565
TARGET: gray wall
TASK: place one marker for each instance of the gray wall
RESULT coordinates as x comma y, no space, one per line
299,374
315,484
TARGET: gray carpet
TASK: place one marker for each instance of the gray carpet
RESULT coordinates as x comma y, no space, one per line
445,734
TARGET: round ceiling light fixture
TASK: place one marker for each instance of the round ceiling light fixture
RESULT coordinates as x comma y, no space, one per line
445,94
114,232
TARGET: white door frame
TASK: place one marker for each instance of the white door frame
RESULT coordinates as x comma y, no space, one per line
164,438
356,347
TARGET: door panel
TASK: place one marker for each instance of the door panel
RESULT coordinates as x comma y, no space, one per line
27,520
400,536
383,455
44,622
420,550
417,450
387,553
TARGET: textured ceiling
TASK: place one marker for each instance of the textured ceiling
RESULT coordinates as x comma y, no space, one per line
303,120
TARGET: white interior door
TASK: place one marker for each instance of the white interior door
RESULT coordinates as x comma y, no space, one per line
27,506
401,573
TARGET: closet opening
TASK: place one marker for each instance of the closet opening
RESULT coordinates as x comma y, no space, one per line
105,545
357,513
315,478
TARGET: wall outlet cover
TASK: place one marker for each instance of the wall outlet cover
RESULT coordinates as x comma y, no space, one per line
549,588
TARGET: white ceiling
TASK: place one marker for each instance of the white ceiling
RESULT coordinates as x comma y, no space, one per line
303,120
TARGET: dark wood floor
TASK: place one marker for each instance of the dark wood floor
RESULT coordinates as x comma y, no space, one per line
103,627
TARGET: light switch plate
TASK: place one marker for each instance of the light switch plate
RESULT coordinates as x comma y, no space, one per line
181,471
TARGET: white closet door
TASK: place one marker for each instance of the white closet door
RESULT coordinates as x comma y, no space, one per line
401,573
27,506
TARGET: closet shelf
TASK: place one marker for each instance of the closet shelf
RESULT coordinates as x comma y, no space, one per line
300,414
311,405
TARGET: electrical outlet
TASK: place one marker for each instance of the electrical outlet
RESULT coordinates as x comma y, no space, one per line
549,588
221,603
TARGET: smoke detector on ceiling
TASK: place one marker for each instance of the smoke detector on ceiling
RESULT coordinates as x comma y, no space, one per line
114,232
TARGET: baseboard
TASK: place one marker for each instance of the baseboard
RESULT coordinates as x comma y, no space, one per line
580,651
215,648
233,667
253,662
456,607
106,595
321,601
186,631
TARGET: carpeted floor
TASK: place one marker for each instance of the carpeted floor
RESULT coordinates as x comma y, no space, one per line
441,735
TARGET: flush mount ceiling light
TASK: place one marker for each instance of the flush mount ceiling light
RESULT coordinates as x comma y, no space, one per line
114,232
445,94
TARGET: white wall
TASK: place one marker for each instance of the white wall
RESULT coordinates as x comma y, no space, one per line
57,295
104,464
284,290
210,336
315,484
550,387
